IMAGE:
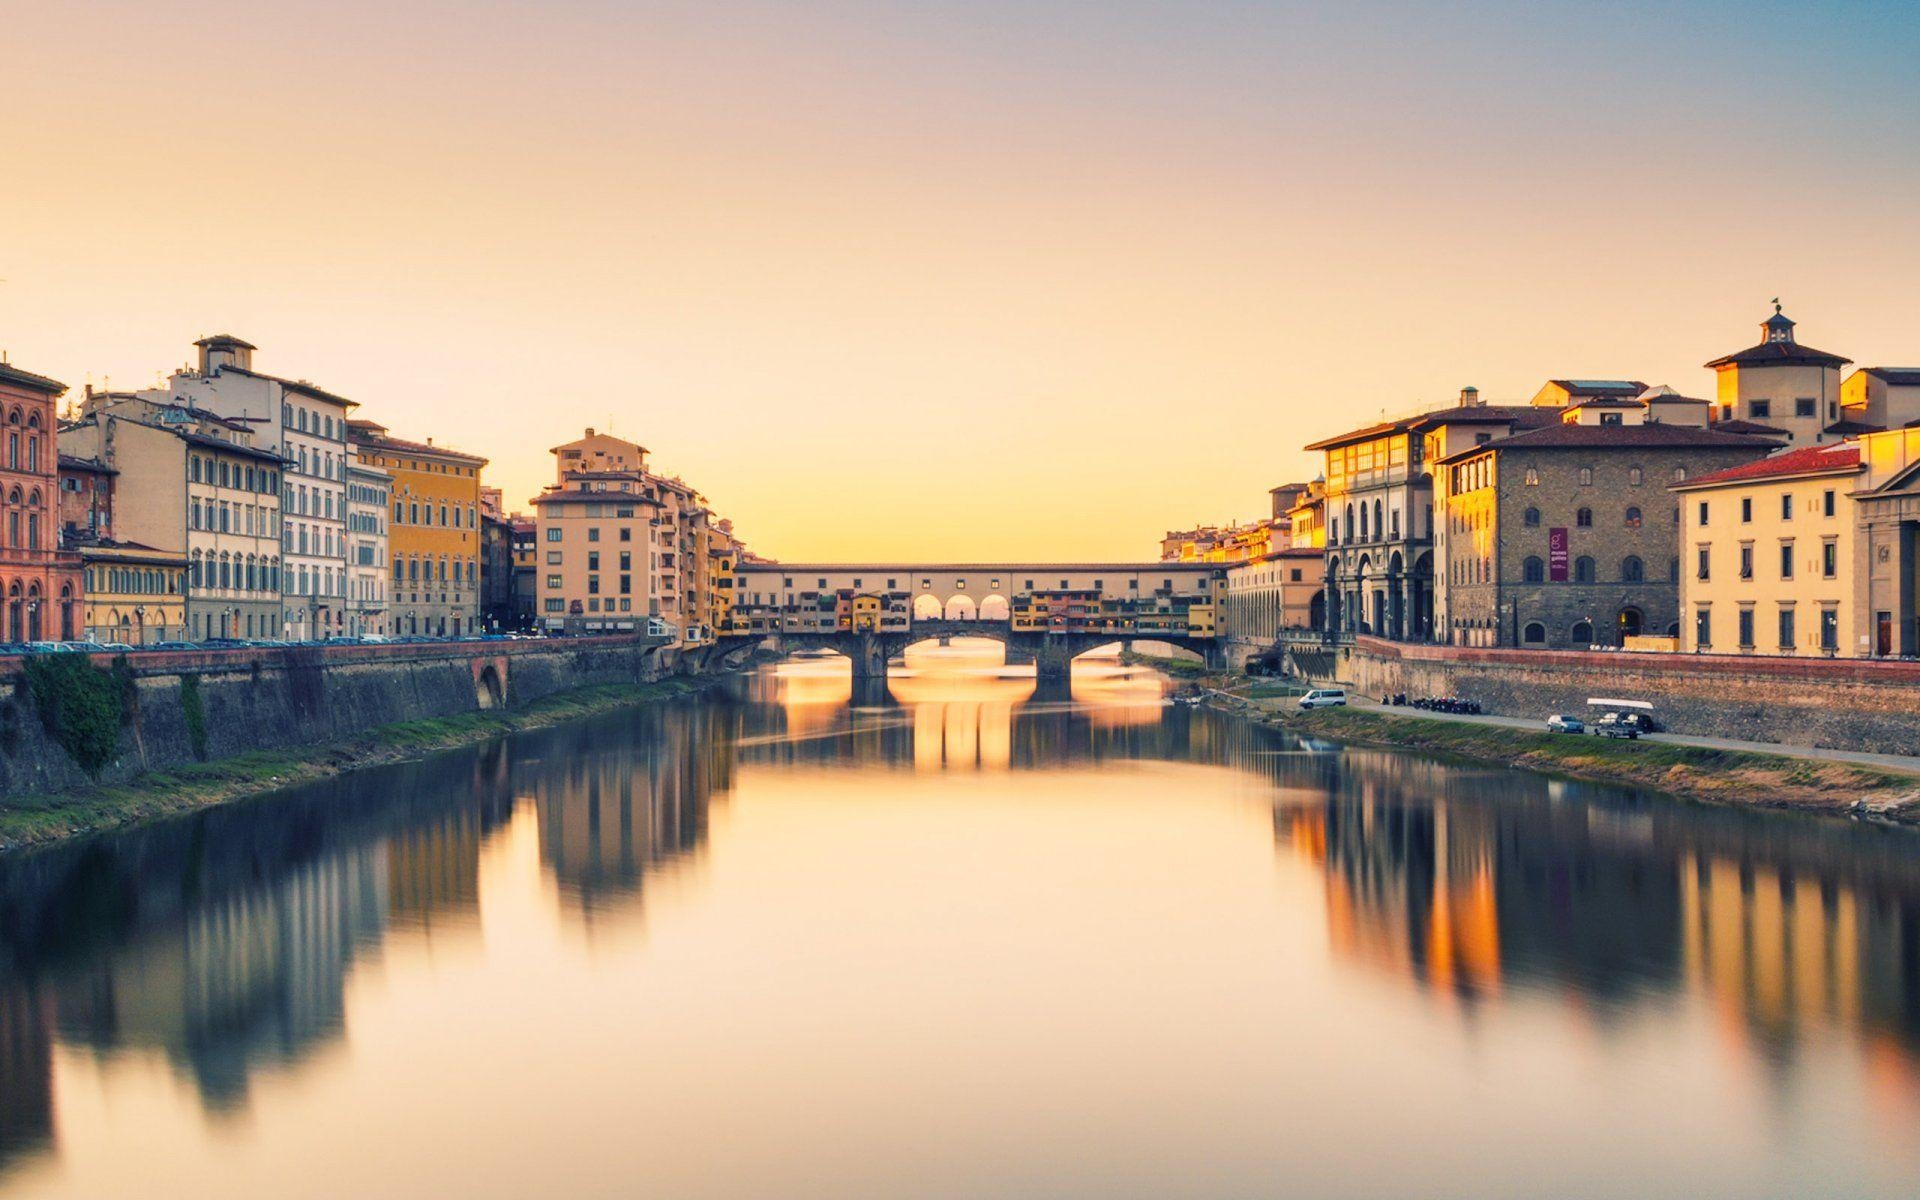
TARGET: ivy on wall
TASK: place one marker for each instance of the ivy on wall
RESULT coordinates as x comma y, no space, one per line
81,706
195,711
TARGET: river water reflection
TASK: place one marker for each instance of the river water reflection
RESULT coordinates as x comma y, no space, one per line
960,937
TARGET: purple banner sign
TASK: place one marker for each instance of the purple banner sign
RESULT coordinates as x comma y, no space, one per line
1557,555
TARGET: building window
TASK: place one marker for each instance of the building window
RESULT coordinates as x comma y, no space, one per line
1633,518
1631,569
1830,629
553,558
1534,633
1746,510
1746,629
553,583
1582,634
1759,410
1786,506
1786,628
1703,627
1679,474
1829,558
1746,560
1533,570
1703,512
1704,560
1805,407
1827,503
1583,569
1633,476
1786,560
553,533
1531,518
1584,518
1533,477
1586,476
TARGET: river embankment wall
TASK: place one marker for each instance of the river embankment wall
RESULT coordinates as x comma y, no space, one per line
1871,706
179,707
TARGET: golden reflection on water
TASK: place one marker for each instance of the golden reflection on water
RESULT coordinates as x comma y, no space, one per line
961,698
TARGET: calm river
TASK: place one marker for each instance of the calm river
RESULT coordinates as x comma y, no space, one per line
960,940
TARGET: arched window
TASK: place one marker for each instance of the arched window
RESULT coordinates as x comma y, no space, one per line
1364,534
1534,571
1583,569
1633,476
1582,633
1633,518
1534,633
1531,517
1631,570
1584,518
1586,476
1533,477
1379,526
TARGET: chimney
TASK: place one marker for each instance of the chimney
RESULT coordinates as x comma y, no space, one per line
1469,397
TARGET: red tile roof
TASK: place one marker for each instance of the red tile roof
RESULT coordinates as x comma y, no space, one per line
1780,354
1618,437
1843,458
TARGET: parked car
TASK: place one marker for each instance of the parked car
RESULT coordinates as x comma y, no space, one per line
173,646
1563,723
1324,698
116,647
376,639
1617,725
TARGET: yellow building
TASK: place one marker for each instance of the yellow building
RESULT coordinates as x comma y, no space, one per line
1782,384
1768,555
433,540
134,594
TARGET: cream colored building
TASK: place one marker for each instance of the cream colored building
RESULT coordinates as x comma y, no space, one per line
1782,384
1769,555
194,482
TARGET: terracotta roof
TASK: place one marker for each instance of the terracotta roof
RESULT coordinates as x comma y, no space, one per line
1808,460
1848,427
30,381
226,340
1528,415
1620,437
1366,431
1780,354
1737,425
292,385
226,447
1599,387
1897,376
73,462
558,496
361,435
1674,398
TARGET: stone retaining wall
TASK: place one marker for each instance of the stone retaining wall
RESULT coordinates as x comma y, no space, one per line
1846,704
273,698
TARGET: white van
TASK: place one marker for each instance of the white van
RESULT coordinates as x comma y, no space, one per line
1324,698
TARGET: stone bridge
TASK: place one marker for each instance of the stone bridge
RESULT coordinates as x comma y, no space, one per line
1051,653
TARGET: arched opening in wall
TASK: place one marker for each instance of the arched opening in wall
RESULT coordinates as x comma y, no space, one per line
961,608
488,689
1631,621
1534,634
995,608
925,608
1582,634
1317,609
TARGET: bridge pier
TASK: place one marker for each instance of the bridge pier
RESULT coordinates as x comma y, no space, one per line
869,653
1053,659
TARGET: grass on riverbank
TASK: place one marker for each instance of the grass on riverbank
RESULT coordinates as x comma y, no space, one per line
33,820
1185,667
1695,772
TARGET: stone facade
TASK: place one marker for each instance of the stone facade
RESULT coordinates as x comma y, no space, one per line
1567,537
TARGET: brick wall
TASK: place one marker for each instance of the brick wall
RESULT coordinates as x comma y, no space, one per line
1847,704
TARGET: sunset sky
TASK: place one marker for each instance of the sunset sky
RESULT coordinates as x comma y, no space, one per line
966,280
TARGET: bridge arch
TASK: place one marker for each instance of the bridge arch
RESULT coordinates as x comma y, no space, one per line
994,607
926,607
961,607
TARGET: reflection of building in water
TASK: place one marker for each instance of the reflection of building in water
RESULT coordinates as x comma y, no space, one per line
26,1073
1782,950
1463,878
628,803
257,976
